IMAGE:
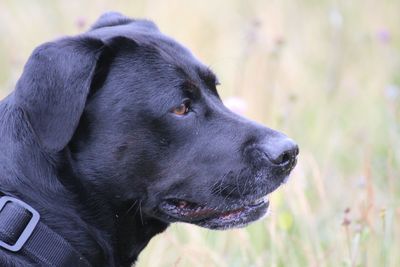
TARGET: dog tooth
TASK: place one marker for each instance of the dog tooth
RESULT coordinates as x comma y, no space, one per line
182,204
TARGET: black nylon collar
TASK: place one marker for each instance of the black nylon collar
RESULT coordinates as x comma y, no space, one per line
21,231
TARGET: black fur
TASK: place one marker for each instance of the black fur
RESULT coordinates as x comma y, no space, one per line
89,140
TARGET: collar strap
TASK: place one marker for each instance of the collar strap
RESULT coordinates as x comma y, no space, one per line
22,232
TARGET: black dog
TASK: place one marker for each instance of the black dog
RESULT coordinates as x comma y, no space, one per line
114,134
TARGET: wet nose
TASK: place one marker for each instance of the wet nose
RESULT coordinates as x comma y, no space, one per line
281,151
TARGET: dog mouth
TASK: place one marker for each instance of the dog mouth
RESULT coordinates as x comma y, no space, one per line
224,217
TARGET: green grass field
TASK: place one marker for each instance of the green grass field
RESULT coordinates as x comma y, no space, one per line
325,72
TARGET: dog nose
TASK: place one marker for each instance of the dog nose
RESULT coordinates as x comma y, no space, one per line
281,151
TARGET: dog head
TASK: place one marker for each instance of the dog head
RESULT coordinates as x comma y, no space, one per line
142,122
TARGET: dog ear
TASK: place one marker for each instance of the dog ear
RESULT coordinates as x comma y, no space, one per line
111,19
54,86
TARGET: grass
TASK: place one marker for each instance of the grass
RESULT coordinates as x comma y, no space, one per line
324,72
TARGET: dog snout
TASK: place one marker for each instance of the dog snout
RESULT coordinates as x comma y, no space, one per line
281,151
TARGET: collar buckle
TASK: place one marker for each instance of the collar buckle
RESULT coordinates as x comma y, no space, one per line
29,228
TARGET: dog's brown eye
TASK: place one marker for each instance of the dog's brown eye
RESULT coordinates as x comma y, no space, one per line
182,109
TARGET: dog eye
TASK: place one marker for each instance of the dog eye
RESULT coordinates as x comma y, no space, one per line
183,108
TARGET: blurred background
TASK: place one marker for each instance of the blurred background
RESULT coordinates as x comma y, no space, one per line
325,72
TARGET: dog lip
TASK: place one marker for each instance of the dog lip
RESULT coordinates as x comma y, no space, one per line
236,219
212,217
185,210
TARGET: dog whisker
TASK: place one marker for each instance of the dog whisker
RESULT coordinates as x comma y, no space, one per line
140,212
130,208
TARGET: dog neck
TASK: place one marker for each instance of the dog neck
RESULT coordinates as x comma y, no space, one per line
121,220
105,234
133,234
